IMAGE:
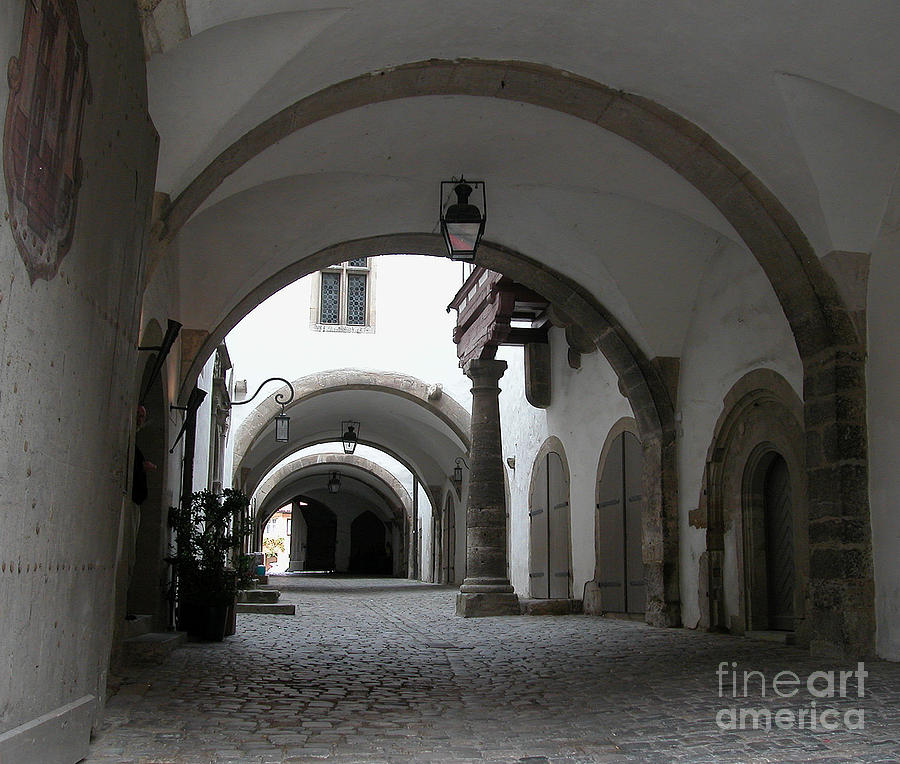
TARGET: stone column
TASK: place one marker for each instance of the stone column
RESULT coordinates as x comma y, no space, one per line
298,539
486,590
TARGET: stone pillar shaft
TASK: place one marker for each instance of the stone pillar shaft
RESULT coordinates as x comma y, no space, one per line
486,590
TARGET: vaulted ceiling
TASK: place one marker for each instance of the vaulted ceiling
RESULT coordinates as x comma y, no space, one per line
805,95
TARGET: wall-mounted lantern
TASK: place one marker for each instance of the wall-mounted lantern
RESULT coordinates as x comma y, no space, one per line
350,436
457,471
282,421
334,482
462,223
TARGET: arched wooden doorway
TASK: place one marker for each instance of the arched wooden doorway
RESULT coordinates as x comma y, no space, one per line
769,544
550,564
620,505
755,572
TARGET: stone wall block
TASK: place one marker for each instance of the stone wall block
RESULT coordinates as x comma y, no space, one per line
574,95
823,485
854,489
849,440
838,564
843,530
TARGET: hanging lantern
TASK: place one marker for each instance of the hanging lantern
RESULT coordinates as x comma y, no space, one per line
334,482
350,436
282,427
462,223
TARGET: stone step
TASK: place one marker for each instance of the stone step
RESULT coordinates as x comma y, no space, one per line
550,607
135,625
258,595
153,647
268,608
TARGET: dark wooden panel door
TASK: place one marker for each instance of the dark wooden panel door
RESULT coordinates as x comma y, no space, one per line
779,545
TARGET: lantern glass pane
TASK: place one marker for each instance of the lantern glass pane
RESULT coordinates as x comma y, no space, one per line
282,428
463,237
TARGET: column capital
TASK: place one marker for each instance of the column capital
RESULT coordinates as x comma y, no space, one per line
484,369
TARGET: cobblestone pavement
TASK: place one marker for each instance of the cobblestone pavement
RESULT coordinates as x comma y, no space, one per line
381,670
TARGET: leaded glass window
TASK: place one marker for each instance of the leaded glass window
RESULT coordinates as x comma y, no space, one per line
356,299
329,312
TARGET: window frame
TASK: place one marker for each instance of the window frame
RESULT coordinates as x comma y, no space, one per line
344,271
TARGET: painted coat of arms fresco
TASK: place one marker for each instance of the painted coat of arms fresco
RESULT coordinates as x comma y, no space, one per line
49,86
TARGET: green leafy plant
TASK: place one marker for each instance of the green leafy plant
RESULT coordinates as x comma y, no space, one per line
210,533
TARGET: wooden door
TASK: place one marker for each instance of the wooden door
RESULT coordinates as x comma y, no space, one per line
620,506
611,521
558,528
539,567
779,524
550,566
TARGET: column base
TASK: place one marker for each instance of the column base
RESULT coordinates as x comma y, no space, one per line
476,604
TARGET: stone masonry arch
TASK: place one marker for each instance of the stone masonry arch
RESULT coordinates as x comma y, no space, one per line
429,397
391,489
832,352
761,414
574,308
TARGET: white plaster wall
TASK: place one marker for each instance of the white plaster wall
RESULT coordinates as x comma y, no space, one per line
68,389
413,333
883,378
585,404
737,325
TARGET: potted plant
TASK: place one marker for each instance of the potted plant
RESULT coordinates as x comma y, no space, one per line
210,533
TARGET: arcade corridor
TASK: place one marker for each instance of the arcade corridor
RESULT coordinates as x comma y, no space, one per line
381,670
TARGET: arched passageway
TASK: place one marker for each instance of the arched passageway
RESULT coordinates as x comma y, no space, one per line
370,550
321,537
825,337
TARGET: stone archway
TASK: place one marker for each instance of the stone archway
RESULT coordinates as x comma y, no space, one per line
285,483
832,352
573,307
428,397
761,419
